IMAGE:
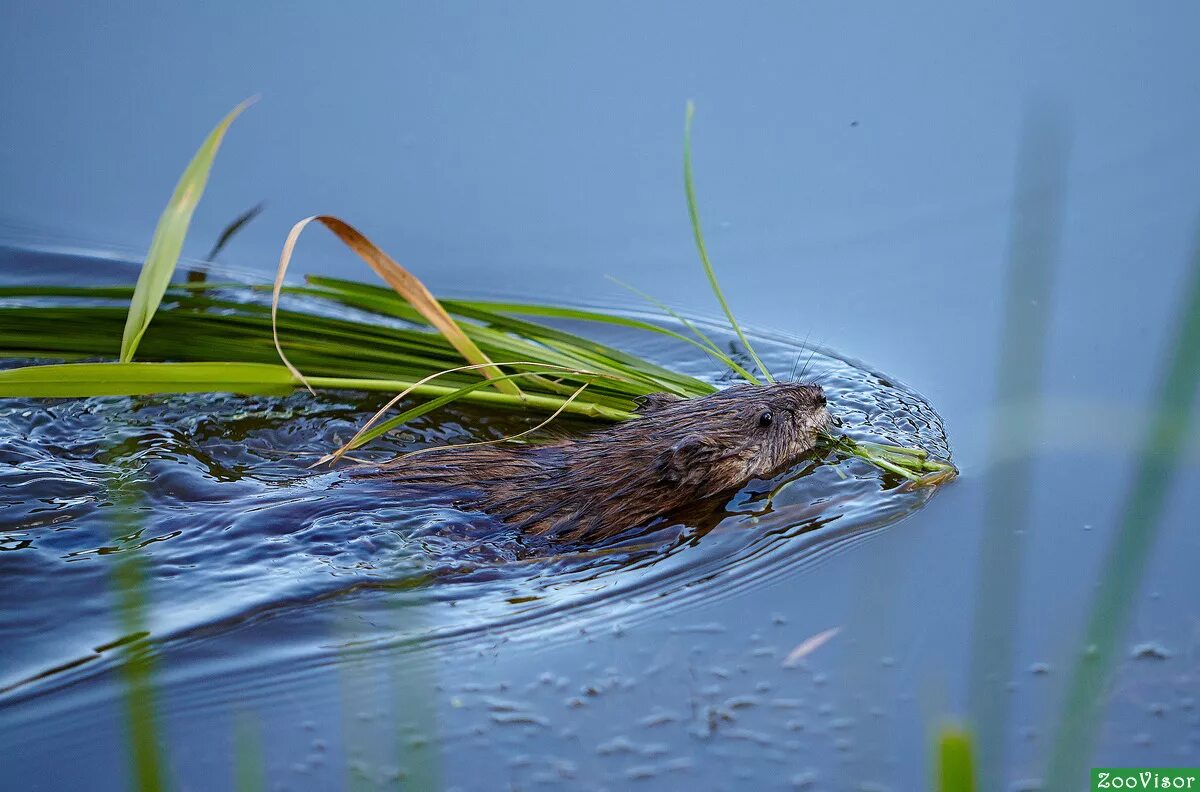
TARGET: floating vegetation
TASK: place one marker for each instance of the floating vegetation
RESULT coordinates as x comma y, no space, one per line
210,337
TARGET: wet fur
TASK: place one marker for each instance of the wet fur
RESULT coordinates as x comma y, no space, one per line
596,486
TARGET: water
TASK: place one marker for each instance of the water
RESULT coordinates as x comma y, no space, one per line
856,174
215,495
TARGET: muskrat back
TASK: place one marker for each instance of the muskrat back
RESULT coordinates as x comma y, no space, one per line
593,487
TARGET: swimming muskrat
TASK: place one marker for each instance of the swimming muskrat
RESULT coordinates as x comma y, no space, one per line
594,487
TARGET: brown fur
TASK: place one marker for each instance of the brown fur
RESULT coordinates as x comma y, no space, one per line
598,485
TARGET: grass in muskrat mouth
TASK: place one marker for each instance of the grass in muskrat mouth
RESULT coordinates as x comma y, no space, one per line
209,337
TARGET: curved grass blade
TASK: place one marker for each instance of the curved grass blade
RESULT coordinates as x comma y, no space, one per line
706,343
369,430
530,401
167,243
564,406
662,306
402,281
694,215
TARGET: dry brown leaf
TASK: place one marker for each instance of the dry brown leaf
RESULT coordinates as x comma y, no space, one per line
401,280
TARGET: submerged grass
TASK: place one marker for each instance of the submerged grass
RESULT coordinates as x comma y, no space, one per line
216,337
129,580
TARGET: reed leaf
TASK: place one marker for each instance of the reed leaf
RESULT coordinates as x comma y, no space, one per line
81,380
76,380
169,234
500,315
694,215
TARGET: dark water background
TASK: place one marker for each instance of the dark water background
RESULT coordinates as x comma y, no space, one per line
856,168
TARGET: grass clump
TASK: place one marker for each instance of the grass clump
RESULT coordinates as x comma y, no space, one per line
216,337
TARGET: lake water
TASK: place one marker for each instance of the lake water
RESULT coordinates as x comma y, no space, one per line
998,209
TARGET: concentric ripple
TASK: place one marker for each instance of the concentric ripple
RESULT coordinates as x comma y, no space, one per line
238,540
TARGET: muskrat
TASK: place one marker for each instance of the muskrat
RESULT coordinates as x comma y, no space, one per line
593,487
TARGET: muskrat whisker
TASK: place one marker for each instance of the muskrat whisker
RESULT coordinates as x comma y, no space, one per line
803,345
811,354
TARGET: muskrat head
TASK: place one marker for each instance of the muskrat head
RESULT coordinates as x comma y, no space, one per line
723,440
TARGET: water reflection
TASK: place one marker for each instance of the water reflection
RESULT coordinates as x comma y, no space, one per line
1017,432
1032,259
390,732
138,654
249,772
1138,526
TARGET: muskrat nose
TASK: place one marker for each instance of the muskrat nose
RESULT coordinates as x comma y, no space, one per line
821,400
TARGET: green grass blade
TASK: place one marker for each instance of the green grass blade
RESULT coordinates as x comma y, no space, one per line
167,243
706,343
75,380
416,412
955,765
579,351
694,387
694,215
81,380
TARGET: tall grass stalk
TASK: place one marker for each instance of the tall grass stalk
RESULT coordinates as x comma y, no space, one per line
689,187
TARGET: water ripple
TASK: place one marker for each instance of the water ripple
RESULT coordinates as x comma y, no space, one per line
238,536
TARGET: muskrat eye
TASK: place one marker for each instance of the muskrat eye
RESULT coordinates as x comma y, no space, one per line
766,418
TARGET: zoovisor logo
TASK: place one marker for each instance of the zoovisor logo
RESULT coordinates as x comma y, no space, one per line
1146,778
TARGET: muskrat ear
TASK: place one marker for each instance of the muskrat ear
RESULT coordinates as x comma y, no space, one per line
686,458
654,401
